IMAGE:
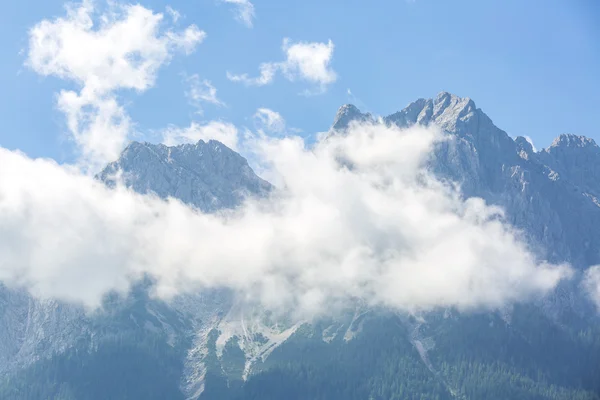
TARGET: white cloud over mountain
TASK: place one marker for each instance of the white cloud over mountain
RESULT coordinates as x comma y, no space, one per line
355,217
591,284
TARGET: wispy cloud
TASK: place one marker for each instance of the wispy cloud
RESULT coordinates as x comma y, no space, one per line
267,73
352,98
591,284
122,48
200,91
244,11
174,14
530,141
309,62
268,120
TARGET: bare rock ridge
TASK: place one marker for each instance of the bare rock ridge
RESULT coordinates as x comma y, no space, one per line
207,175
552,195
349,113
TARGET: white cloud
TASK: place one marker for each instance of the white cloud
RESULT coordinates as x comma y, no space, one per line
376,227
268,120
530,141
309,62
267,73
223,132
199,91
244,11
100,127
591,284
174,14
186,40
121,48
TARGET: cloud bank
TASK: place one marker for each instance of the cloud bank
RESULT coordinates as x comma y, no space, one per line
305,61
354,217
102,52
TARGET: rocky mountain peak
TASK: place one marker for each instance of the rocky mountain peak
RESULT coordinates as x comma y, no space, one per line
446,110
347,114
568,140
207,175
524,144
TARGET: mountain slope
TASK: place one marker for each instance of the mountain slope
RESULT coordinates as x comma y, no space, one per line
207,175
208,346
551,195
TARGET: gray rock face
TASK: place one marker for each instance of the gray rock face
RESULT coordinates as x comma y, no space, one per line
32,329
576,159
551,195
207,175
349,113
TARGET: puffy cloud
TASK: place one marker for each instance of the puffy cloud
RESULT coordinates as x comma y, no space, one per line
591,284
199,91
223,132
354,217
309,61
244,11
124,50
269,120
102,52
305,61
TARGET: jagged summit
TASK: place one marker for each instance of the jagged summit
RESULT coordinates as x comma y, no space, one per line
207,175
524,144
538,189
349,113
445,110
457,115
347,109
572,141
135,146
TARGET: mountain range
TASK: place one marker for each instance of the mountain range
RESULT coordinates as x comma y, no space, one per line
211,346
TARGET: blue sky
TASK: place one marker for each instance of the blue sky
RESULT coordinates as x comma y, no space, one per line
532,66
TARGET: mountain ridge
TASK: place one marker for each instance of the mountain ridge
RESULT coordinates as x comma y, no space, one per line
538,189
349,112
207,175
222,347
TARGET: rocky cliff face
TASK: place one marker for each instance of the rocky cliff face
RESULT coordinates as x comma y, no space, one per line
551,195
207,175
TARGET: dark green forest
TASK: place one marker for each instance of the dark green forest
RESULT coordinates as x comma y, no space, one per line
476,356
